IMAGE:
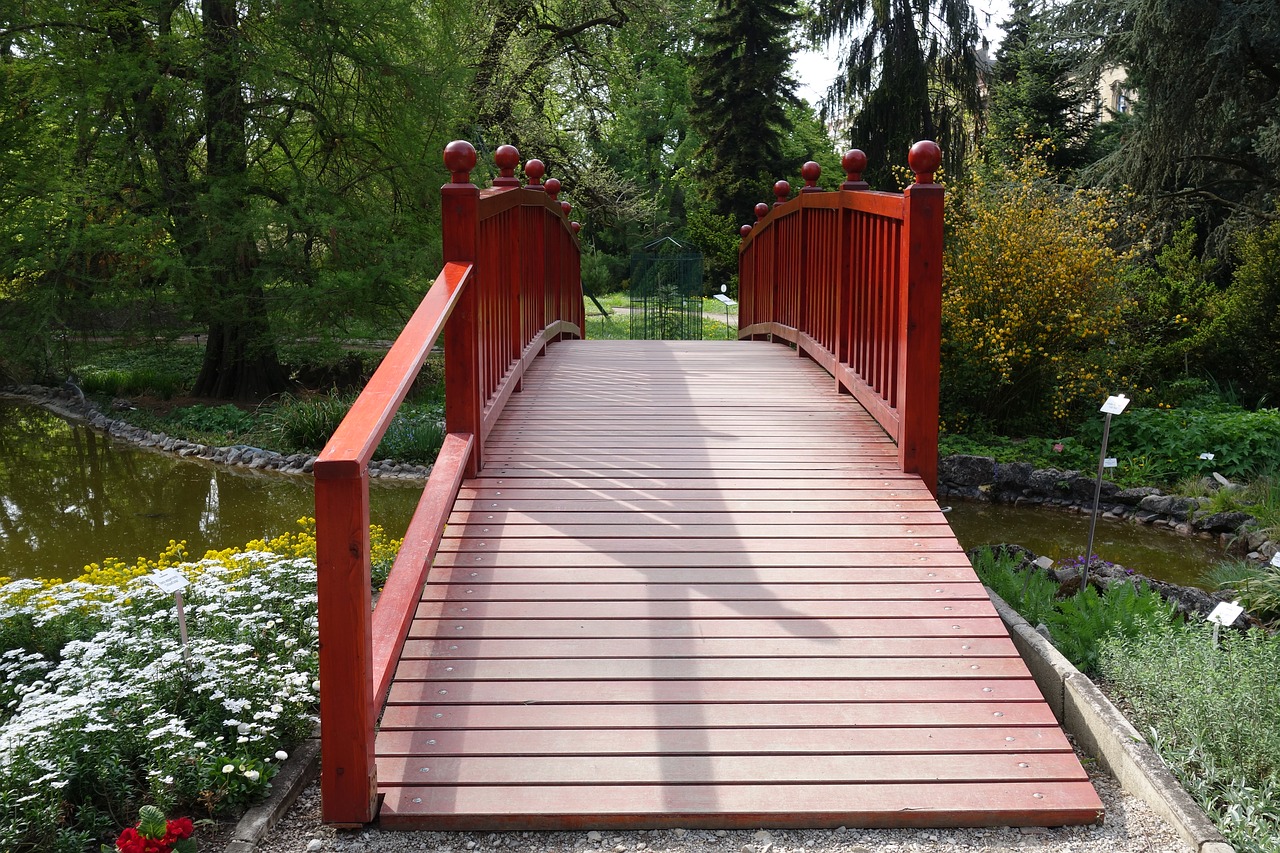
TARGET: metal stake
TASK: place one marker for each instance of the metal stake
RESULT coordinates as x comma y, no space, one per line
1097,498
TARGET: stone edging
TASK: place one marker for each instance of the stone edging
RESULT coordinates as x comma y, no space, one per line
1103,732
983,478
69,405
297,773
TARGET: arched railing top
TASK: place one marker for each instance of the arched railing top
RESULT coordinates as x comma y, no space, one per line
854,279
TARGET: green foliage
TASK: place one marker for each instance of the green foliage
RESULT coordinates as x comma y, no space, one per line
910,73
415,435
1214,714
1037,95
214,419
741,89
1030,592
716,236
1030,300
1083,621
1256,587
119,383
1067,453
1242,442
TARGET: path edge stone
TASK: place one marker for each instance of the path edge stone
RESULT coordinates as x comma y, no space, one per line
297,773
1104,733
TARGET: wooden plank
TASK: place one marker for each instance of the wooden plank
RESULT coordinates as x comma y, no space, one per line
720,716
727,691
737,741
814,611
670,769
743,806
469,573
447,648
707,545
476,559
608,628
682,518
924,589
700,669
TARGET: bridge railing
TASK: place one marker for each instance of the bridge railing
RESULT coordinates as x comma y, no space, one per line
854,279
510,285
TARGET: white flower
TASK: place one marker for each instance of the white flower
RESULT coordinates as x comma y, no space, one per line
281,755
199,744
251,775
243,728
227,768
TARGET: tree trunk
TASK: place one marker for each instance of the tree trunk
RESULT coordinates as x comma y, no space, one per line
240,360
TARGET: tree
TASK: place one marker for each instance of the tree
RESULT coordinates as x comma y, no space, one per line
263,164
1205,136
1039,100
741,90
911,74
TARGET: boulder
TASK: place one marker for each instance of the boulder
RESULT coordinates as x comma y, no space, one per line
967,470
1220,522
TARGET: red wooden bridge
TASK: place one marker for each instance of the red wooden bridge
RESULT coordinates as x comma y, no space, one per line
676,583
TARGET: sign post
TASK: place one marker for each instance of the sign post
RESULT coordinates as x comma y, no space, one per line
172,580
728,332
1114,406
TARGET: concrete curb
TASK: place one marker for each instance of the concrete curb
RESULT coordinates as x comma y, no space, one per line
298,771
1103,732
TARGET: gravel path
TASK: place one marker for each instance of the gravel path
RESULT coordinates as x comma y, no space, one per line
1130,827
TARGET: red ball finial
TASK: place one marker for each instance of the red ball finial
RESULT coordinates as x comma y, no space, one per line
553,187
459,159
762,210
782,190
744,231
575,227
534,170
566,207
811,171
854,163
508,158
924,158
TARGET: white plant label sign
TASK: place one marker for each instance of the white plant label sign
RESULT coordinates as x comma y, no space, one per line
1045,563
1226,613
1207,457
1275,559
1110,462
1114,405
169,580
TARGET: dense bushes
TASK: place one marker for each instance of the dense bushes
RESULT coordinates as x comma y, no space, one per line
1030,300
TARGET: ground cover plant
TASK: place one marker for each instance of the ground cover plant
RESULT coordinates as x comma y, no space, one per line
101,712
1211,709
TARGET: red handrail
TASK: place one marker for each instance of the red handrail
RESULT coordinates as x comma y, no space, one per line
854,280
510,285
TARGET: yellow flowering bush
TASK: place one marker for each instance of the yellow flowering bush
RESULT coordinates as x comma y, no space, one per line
1031,298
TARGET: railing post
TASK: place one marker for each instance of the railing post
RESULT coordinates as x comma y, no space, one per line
348,778
921,313
854,163
460,230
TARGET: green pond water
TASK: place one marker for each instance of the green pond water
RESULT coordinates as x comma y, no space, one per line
70,496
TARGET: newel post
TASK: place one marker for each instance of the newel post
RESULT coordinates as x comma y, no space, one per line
921,311
348,709
460,230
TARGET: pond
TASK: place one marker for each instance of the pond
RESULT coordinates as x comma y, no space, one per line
1157,553
70,496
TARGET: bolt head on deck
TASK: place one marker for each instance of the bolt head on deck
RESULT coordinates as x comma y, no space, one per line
460,159
924,158
762,210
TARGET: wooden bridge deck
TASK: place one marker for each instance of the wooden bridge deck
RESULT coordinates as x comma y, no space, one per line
691,588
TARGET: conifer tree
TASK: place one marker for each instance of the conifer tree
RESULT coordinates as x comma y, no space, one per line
741,89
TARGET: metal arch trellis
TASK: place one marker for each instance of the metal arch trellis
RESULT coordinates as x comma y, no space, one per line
666,291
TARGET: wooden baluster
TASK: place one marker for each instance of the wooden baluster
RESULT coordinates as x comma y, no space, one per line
460,231
920,315
534,298
553,257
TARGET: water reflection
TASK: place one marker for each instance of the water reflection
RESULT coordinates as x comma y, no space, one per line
70,496
1156,553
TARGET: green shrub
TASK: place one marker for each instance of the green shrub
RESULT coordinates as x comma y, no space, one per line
1214,714
1028,592
214,419
1081,622
307,424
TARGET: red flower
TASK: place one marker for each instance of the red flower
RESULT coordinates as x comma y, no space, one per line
131,842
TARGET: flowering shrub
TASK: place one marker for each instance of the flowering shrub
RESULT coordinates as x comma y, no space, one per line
1030,300
100,714
154,834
